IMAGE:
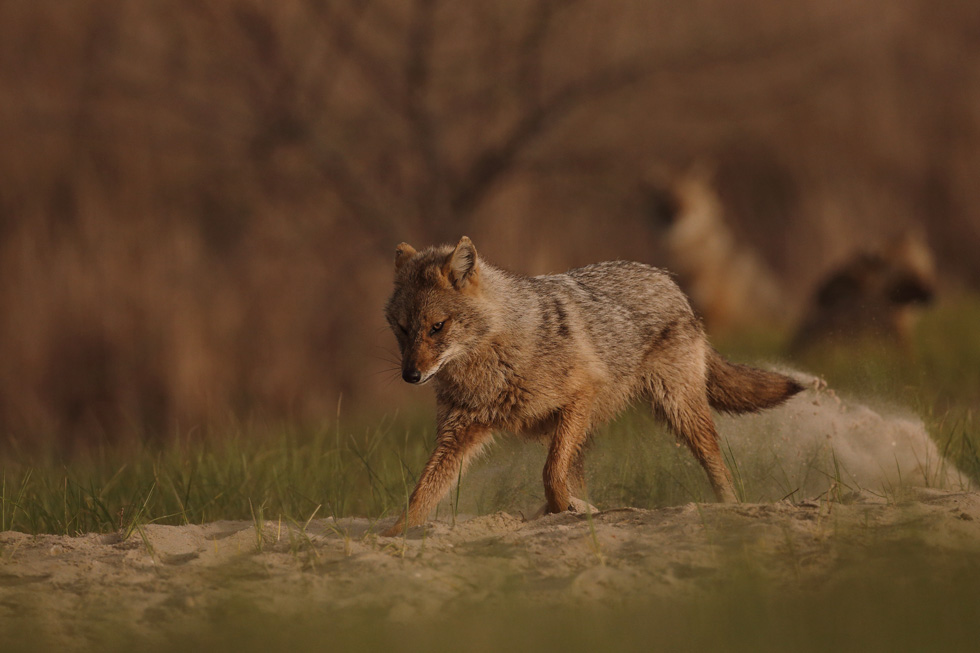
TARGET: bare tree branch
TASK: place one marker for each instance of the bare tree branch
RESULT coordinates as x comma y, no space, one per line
532,125
376,71
433,196
378,221
542,17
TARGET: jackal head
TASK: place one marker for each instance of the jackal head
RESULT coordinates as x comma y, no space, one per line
435,310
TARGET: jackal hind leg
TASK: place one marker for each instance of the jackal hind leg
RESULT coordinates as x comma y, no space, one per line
689,416
564,467
576,473
455,447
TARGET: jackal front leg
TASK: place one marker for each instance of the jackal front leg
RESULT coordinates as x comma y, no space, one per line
564,456
455,447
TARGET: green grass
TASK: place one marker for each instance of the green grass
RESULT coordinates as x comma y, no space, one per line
274,471
281,471
278,472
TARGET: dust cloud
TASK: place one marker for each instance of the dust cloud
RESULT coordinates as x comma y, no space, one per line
819,441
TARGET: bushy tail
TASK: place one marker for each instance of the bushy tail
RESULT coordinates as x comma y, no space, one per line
737,388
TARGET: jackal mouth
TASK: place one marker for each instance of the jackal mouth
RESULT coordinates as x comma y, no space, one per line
418,377
427,375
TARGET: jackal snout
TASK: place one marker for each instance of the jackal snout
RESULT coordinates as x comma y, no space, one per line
420,358
414,369
411,375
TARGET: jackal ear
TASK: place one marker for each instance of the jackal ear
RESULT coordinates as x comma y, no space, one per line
403,253
462,269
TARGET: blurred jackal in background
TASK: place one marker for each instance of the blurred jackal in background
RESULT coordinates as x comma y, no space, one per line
875,293
729,284
555,356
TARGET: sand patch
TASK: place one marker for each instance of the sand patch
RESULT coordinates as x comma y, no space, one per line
182,576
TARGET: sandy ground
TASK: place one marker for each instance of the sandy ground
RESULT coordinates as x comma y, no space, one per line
77,592
72,588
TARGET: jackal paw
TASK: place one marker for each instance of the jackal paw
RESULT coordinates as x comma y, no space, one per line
574,505
395,531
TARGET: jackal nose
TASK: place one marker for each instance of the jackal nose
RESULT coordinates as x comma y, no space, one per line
412,376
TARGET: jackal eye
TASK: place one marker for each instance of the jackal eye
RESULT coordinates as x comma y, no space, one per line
436,328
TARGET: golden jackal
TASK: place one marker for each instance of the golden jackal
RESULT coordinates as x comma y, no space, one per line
555,356
876,293
728,283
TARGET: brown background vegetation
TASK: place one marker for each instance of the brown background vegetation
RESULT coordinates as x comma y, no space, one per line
199,199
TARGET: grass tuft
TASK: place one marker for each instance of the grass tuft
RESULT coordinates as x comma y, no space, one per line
282,471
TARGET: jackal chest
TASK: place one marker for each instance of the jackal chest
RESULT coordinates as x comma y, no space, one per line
499,398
